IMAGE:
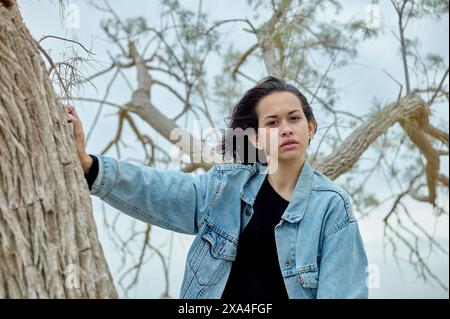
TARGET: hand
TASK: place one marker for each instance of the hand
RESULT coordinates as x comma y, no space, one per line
83,156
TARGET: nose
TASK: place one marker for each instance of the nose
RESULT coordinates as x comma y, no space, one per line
286,130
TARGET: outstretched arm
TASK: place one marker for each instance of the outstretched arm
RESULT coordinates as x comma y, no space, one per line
169,199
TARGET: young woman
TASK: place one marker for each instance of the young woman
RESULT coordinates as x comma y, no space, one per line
271,229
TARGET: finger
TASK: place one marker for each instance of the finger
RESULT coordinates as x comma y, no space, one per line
71,110
72,119
74,112
77,127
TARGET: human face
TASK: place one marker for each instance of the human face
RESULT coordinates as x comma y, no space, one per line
281,118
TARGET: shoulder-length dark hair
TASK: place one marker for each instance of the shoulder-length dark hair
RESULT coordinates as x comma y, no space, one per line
244,116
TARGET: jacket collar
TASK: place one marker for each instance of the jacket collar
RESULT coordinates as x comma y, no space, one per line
300,196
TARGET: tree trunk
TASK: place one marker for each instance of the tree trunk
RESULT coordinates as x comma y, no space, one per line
49,246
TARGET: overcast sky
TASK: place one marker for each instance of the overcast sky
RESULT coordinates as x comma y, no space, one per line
361,81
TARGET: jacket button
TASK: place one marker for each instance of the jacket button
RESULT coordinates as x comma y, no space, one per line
288,262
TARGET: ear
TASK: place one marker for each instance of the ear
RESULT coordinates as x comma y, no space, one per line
311,128
254,139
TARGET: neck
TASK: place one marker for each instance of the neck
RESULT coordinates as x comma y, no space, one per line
285,177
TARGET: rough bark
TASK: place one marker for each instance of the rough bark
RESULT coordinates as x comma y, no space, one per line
49,246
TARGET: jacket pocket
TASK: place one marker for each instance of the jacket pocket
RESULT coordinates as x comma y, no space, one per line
310,283
213,256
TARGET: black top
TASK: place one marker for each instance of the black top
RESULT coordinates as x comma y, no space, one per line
256,273
93,172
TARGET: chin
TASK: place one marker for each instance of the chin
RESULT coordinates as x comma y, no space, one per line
290,156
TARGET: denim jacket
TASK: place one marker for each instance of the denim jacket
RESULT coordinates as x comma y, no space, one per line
320,250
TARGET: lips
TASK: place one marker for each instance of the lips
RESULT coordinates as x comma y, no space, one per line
288,142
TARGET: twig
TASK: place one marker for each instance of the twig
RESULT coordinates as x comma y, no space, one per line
64,39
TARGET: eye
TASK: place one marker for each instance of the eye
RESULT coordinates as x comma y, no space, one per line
270,123
296,117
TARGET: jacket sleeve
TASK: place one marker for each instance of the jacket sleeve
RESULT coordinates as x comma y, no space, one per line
343,266
169,199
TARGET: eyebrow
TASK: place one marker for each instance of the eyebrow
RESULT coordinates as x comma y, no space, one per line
271,115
